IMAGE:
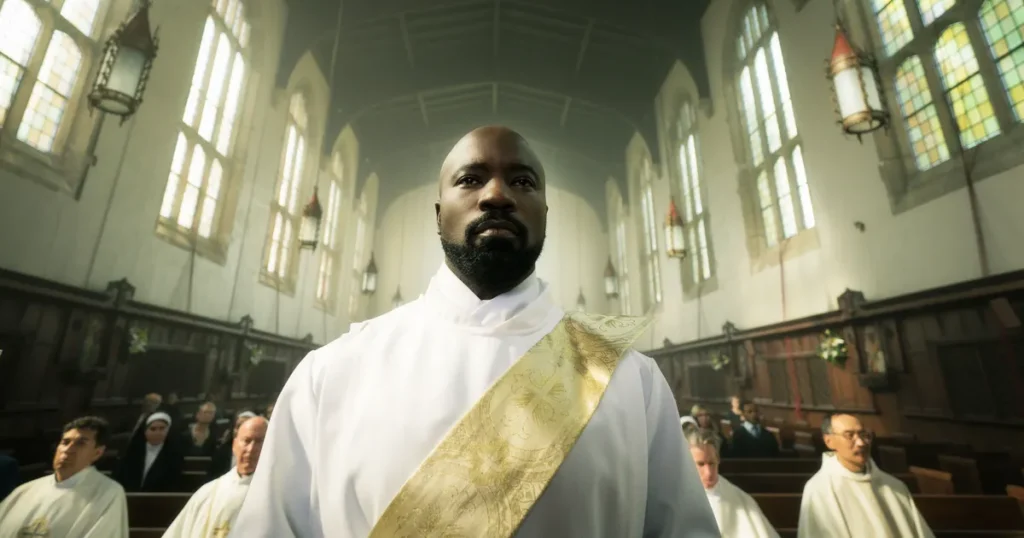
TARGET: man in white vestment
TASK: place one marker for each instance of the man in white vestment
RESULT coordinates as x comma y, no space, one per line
76,501
481,409
212,511
737,513
849,497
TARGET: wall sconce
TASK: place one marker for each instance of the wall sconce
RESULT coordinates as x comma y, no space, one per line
611,281
675,243
309,229
370,277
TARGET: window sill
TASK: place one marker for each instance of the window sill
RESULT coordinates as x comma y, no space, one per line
285,285
57,172
803,242
210,249
909,189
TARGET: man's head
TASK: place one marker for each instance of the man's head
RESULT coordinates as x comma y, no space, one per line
492,210
248,443
734,403
157,425
846,436
704,447
750,413
240,419
701,415
206,413
83,442
151,402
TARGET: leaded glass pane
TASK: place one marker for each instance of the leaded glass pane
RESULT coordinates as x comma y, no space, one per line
893,25
1003,24
968,97
923,129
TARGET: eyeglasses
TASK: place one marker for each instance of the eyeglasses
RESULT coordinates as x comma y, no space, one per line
864,435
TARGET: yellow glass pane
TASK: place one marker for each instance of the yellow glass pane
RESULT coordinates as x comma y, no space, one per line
958,68
49,99
893,25
1003,24
81,14
19,30
933,9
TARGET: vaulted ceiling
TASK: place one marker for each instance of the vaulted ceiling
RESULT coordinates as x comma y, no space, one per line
576,77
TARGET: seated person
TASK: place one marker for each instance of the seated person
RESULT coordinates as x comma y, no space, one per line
752,440
849,497
211,512
737,514
153,462
224,457
201,436
76,501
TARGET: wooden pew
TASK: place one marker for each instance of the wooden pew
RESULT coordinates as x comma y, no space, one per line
197,463
789,482
154,510
768,465
970,515
933,482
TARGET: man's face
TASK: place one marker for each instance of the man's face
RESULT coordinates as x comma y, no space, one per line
151,402
156,432
248,444
76,451
850,441
751,414
205,413
706,459
703,419
735,402
492,208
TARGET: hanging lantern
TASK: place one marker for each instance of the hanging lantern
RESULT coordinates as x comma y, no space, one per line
581,301
309,229
127,59
675,233
856,88
611,281
370,277
397,301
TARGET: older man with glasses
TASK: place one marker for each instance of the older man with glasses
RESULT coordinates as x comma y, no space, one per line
850,497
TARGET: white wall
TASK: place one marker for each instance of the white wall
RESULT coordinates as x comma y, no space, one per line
409,251
50,235
928,246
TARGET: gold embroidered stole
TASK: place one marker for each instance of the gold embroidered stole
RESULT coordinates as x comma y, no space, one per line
486,474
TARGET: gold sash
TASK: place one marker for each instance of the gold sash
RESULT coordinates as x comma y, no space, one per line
486,474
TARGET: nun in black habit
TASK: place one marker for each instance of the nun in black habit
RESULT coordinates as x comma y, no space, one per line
154,460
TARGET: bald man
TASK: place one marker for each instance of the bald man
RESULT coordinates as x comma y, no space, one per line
480,409
213,509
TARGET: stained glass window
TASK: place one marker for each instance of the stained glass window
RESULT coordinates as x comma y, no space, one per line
284,207
919,115
330,251
192,202
693,207
650,236
1003,24
968,97
766,109
23,38
933,9
893,24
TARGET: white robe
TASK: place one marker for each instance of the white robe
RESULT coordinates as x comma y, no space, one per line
87,505
838,503
737,513
212,509
358,416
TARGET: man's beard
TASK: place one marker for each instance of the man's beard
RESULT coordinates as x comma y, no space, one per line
494,263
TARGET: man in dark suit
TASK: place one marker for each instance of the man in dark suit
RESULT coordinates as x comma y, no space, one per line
751,439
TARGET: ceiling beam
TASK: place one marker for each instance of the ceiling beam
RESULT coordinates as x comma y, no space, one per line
423,109
583,45
406,40
565,111
496,45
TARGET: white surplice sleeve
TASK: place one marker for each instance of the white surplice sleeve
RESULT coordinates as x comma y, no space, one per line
281,500
182,525
819,511
677,506
113,521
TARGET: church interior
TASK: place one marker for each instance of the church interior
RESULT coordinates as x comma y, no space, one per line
819,204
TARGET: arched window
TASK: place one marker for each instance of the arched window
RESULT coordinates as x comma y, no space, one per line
774,154
45,49
649,252
284,208
330,239
359,260
203,155
692,188
955,87
622,259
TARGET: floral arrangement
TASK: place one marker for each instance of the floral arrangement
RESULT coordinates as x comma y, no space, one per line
255,353
719,360
139,340
832,349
